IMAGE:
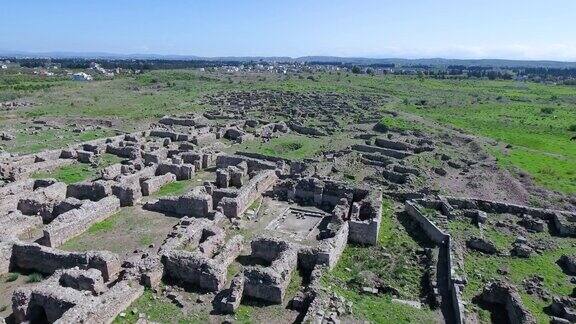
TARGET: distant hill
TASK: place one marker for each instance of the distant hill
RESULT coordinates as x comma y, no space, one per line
437,62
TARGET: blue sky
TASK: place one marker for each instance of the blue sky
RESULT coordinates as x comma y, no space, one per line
516,29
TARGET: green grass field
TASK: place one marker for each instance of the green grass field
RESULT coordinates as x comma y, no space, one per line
481,268
392,261
78,172
537,121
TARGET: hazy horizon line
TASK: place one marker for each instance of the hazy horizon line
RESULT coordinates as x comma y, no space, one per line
95,54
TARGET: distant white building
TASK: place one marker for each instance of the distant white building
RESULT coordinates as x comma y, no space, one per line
81,76
3,66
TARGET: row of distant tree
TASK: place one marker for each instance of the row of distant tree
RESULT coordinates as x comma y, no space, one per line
566,75
156,64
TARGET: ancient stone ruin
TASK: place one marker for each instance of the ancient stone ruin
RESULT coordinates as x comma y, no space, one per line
269,216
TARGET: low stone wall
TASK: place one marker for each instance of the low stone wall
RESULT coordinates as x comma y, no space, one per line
5,254
364,232
328,251
444,241
129,151
111,172
382,159
42,201
37,258
431,230
94,191
156,156
18,225
455,291
564,222
76,221
13,192
174,136
17,187
384,151
313,191
270,283
199,269
396,177
233,207
110,304
254,165
129,193
365,219
232,296
263,157
195,203
61,303
300,129
25,171
182,171
401,146
152,185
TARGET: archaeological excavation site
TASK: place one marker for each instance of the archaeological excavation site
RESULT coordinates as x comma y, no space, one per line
215,217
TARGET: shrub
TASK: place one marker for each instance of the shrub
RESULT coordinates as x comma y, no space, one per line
12,277
547,110
572,128
35,277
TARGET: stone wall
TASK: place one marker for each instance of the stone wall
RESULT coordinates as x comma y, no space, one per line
17,225
174,136
432,231
76,221
182,171
328,251
183,121
380,150
36,258
196,203
152,185
233,207
254,165
62,303
502,293
270,283
365,219
94,190
200,269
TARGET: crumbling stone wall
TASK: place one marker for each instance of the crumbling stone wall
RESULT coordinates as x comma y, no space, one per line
17,225
182,171
236,205
327,252
37,258
76,221
42,201
202,269
182,121
365,219
502,293
152,185
270,283
60,302
432,231
382,151
94,190
254,165
196,203
13,192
